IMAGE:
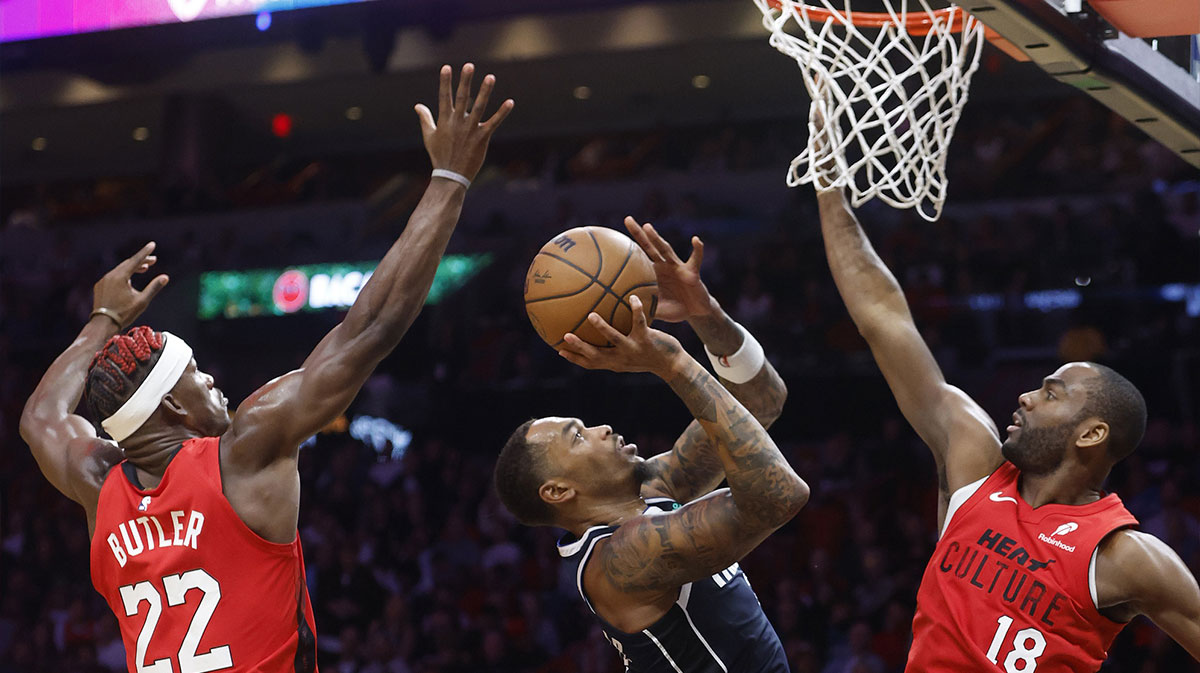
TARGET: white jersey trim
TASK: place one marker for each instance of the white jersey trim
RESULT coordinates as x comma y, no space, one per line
1092,578
658,503
957,499
663,650
701,637
567,550
582,564
685,592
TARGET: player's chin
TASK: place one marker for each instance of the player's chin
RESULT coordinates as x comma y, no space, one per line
1010,449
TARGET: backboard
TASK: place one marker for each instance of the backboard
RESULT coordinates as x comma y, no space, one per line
1074,43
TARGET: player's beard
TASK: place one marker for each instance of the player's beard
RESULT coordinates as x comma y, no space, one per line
641,473
1038,450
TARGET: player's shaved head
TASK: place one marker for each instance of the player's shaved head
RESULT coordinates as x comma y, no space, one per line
1115,400
519,473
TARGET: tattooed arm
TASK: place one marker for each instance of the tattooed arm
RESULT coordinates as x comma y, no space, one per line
659,553
692,468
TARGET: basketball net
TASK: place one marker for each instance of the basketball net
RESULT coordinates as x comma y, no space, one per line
890,94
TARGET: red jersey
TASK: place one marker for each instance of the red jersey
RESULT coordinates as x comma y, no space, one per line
193,588
1012,588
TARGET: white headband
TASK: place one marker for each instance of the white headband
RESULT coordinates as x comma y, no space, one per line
173,359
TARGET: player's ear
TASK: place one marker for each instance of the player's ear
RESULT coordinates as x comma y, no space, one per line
1092,432
172,407
556,492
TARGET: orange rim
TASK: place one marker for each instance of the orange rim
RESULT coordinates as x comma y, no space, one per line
916,23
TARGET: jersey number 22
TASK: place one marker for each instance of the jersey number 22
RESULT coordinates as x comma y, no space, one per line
176,588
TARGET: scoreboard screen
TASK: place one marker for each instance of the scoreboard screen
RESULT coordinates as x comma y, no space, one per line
316,287
29,19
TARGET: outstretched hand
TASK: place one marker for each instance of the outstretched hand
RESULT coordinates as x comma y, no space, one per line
115,292
682,294
823,155
644,350
458,140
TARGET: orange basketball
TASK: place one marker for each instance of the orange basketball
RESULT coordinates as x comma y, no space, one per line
583,270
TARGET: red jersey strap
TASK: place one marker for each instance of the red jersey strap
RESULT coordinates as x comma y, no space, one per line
970,496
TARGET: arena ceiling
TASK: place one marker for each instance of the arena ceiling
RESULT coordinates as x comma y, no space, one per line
86,96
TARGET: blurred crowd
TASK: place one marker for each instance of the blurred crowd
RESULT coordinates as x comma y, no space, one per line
414,567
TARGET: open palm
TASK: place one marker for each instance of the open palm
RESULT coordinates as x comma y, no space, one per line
682,293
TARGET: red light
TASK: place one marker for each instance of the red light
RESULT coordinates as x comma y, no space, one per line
281,125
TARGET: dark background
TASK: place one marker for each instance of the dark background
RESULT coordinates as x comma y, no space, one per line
413,564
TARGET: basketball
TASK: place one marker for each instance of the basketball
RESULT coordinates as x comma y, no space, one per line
583,270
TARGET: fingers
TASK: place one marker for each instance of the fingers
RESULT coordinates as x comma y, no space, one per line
146,264
697,256
639,316
578,346
575,359
481,99
426,118
638,235
606,330
137,259
664,249
160,281
498,118
579,352
654,246
464,88
445,106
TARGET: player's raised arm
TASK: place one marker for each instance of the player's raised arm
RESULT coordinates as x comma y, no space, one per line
661,552
692,467
63,442
963,438
273,420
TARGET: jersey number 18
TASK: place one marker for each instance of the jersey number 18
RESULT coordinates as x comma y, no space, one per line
1028,645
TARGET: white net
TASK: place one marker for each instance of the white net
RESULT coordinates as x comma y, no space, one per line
891,96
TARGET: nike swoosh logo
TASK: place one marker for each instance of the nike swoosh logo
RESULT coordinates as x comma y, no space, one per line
997,497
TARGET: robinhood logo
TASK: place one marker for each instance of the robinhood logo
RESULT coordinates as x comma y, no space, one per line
1065,528
186,10
1061,530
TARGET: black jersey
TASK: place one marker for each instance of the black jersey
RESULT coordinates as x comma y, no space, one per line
716,625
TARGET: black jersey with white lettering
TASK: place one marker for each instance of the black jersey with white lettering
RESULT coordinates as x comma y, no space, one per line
716,625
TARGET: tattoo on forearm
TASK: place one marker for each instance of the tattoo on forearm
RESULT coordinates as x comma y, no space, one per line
693,467
762,482
691,387
718,332
654,553
665,345
762,395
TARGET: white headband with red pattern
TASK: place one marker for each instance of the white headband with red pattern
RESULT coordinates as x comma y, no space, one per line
174,358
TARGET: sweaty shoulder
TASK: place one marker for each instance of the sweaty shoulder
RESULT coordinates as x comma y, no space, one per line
972,441
252,440
1135,573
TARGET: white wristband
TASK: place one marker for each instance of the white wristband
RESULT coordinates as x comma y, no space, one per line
742,365
451,175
